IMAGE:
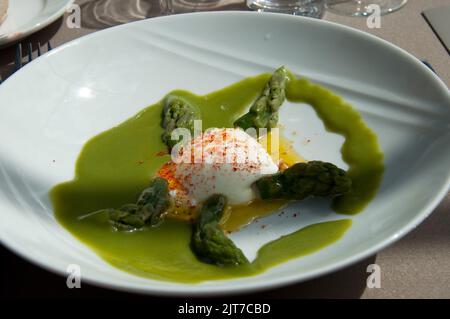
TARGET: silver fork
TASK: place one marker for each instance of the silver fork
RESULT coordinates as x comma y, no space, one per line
18,56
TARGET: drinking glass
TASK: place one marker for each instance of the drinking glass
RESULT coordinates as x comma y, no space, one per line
183,6
363,7
310,8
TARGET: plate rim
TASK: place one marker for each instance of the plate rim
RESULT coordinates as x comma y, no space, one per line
183,289
11,37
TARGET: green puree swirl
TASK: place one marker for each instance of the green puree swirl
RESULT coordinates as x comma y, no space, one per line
114,166
360,150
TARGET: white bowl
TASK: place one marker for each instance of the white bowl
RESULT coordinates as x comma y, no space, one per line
56,103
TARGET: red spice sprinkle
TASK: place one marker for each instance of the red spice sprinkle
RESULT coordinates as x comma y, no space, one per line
162,153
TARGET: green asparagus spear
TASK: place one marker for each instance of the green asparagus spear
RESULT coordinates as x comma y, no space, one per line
178,114
149,209
301,180
264,111
209,242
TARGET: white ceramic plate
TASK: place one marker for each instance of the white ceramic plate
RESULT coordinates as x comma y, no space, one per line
56,103
28,16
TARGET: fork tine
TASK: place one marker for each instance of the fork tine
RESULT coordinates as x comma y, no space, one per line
30,52
18,57
18,60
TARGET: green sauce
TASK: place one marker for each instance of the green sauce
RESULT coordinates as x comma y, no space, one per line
114,167
360,150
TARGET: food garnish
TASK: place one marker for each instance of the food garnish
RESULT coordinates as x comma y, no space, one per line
150,208
314,178
178,114
264,111
209,242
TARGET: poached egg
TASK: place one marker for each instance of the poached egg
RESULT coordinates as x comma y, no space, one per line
219,161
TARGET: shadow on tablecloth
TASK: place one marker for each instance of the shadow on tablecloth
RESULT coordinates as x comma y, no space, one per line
101,14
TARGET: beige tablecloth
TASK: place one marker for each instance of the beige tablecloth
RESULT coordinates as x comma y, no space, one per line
418,265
